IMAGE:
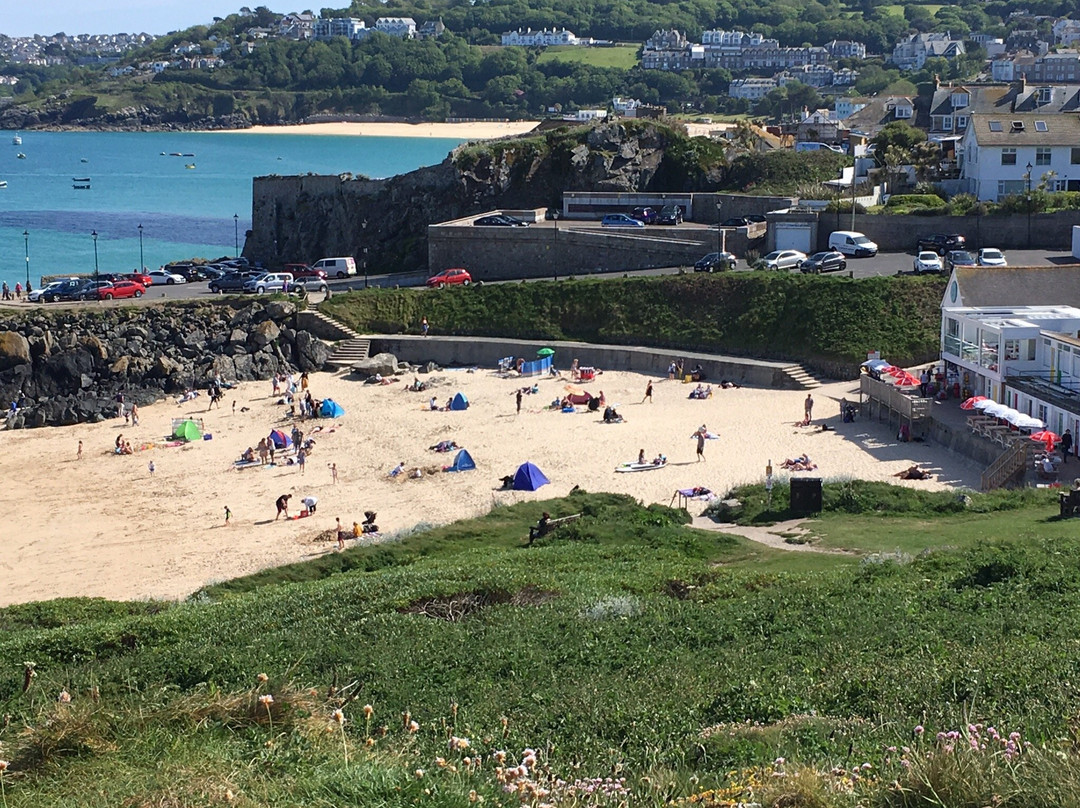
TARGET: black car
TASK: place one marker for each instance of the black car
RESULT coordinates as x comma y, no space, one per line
670,214
499,220
942,243
959,258
756,218
71,290
647,215
735,221
715,262
829,261
191,272
233,282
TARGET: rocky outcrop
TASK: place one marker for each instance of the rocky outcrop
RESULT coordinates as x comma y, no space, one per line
381,364
386,220
66,366
68,111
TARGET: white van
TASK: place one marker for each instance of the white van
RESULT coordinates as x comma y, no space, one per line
851,243
336,267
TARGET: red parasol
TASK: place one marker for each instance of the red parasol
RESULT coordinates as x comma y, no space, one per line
1047,437
970,403
905,379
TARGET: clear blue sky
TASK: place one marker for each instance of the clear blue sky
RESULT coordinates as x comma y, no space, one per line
26,17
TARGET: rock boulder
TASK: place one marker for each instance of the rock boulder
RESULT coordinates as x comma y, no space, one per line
384,364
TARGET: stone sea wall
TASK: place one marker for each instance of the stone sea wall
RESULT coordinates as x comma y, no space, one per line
65,366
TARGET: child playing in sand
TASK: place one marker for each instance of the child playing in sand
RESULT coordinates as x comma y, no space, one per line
228,515
79,455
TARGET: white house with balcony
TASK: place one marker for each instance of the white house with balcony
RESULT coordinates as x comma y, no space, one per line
330,27
1009,153
404,27
1025,356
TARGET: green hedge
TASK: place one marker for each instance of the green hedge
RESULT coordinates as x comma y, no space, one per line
766,315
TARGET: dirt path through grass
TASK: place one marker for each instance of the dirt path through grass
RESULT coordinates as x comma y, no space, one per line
775,535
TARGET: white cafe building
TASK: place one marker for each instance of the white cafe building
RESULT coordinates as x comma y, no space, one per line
1012,334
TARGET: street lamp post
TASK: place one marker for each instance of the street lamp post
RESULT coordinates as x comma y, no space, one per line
555,258
236,234
26,248
364,250
719,248
1027,177
142,259
93,235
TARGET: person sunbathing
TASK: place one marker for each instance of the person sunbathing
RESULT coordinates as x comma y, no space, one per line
660,460
248,456
914,473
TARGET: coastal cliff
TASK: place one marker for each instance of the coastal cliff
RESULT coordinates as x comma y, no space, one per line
302,218
66,367
66,111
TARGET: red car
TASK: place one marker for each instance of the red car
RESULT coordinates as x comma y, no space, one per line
304,271
120,289
449,277
139,277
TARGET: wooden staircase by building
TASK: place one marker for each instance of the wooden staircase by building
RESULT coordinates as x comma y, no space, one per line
1009,464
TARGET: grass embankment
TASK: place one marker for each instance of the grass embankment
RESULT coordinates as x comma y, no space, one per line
624,646
767,315
623,57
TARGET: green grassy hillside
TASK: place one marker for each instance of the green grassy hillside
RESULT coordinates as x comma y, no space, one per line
762,314
622,57
626,646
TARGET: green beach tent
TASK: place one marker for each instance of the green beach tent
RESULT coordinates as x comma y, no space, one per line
187,430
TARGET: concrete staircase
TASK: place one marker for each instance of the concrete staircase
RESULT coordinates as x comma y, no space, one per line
348,352
802,377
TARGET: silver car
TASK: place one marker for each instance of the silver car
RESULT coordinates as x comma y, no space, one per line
784,259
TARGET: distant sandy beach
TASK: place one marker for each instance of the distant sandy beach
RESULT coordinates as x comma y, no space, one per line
472,130
103,526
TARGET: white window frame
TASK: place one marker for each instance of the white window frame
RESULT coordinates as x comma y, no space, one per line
1044,155
1008,151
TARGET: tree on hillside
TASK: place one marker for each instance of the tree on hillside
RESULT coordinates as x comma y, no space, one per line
899,136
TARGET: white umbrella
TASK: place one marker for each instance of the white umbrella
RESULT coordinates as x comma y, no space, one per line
1027,422
982,405
1013,416
996,410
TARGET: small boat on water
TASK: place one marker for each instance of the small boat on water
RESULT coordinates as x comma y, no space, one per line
81,187
190,165
83,160
21,156
188,154
175,154
3,183
17,140
80,179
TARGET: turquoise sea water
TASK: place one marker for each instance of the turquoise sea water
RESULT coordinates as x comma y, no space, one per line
184,212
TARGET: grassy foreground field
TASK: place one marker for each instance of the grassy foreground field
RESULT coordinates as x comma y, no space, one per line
763,314
624,660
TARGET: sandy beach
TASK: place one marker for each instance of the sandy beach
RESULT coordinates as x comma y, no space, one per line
471,130
103,526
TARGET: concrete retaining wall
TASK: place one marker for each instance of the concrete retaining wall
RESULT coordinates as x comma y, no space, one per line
507,253
486,352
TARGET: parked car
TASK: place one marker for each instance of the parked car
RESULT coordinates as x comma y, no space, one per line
337,267
927,261
715,262
942,243
735,221
756,218
310,283
499,220
120,290
620,220
168,278
304,271
991,257
269,282
192,273
63,290
42,295
959,258
646,215
852,243
233,282
828,261
138,277
670,214
451,277
90,289
784,259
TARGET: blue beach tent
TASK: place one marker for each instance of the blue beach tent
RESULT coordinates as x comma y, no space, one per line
279,439
331,409
463,462
459,402
528,478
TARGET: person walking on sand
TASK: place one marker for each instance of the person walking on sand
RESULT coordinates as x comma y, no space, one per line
282,506
134,414
301,459
424,326
700,443
78,456
340,535
648,393
150,467
333,472
808,409
519,396
228,515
